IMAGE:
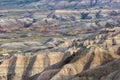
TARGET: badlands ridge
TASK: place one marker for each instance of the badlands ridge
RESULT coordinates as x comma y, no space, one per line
95,57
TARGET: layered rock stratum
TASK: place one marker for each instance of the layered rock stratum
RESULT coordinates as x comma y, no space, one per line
64,44
94,57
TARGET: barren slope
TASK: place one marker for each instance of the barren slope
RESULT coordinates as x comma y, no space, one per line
79,58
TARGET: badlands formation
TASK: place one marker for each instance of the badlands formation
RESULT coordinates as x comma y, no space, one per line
94,57
59,4
64,40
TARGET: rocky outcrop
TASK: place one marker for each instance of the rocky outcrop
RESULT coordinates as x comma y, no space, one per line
109,71
92,55
95,58
21,67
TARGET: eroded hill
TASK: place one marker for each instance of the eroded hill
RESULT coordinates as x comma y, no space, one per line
59,44
95,57
59,4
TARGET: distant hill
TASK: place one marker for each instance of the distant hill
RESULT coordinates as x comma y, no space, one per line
59,4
